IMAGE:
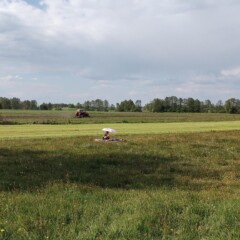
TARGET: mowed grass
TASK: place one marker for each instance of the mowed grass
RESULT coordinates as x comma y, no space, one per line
40,131
153,186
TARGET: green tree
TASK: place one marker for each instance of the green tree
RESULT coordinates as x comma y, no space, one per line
197,105
71,105
33,105
5,103
126,106
171,104
79,105
220,107
112,107
50,106
15,103
43,106
179,105
232,105
105,105
87,105
138,105
97,105
26,104
208,106
190,105
159,105
156,105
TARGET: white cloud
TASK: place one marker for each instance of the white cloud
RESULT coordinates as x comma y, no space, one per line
233,72
144,42
103,84
215,86
133,93
9,82
17,86
10,78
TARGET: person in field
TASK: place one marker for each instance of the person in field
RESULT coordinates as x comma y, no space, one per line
106,136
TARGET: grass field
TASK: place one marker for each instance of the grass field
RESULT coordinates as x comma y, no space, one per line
70,130
66,116
182,182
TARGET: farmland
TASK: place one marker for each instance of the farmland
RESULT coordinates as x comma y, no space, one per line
175,177
66,116
70,130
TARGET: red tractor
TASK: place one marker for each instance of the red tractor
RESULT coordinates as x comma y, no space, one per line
81,114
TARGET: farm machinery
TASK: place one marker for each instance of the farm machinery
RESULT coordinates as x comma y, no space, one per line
81,114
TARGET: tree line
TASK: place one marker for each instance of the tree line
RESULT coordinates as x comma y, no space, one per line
168,104
16,103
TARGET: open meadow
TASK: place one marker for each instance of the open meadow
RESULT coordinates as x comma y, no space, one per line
176,177
66,116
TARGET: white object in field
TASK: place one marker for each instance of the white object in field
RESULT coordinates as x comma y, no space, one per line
109,130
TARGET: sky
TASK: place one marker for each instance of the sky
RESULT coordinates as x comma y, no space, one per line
76,50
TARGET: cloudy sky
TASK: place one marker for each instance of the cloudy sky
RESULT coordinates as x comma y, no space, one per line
76,50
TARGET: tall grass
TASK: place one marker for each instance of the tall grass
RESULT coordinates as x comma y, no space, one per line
168,186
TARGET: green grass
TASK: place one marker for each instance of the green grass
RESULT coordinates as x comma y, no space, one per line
74,212
39,131
67,117
161,186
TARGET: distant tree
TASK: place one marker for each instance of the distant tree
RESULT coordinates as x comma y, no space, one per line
184,105
120,107
33,105
112,107
190,105
174,104
50,106
105,105
87,105
197,105
208,106
232,105
57,106
71,105
167,104
126,106
5,103
97,105
26,104
79,105
147,107
43,106
15,103
220,107
179,105
156,105
138,105
171,104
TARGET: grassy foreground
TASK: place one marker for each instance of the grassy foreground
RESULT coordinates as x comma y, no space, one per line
167,186
40,131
